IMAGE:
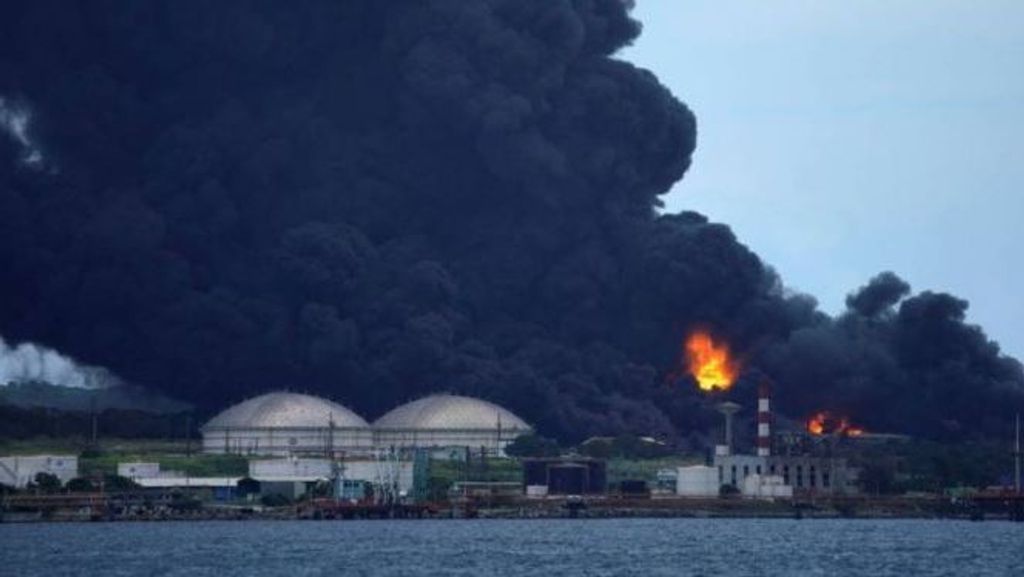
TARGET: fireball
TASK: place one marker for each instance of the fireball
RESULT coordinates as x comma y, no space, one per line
816,424
710,363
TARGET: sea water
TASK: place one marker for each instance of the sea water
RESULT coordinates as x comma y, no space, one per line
669,547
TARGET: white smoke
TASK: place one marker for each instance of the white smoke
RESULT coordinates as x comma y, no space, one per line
14,120
29,362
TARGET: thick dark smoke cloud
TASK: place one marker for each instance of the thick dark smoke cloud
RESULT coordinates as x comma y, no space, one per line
375,200
879,296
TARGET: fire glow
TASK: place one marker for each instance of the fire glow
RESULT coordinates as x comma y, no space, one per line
710,363
824,423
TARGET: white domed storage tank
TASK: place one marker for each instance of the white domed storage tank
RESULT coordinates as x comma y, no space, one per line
286,424
440,421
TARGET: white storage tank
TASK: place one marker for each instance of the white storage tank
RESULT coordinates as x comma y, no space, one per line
286,424
449,421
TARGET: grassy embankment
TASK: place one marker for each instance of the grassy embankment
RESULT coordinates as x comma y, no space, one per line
172,455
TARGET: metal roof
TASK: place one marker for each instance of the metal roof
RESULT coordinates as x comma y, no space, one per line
289,478
174,482
448,412
285,410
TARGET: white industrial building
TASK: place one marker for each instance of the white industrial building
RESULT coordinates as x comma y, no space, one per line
441,421
766,474
149,475
286,424
19,471
224,485
291,468
293,476
766,487
697,481
763,474
136,470
801,473
290,476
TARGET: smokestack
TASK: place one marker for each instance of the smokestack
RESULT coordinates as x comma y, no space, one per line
728,409
764,419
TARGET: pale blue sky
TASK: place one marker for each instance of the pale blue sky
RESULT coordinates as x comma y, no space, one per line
840,138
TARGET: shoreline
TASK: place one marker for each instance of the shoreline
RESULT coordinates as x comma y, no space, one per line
895,509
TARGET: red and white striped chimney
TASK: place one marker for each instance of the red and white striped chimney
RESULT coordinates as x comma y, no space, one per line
764,421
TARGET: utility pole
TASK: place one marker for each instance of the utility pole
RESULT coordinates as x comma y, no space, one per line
95,424
188,435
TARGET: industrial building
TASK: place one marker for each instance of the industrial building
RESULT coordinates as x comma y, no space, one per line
208,488
353,479
289,424
768,474
802,469
19,471
441,421
564,476
136,470
382,477
697,481
803,473
286,424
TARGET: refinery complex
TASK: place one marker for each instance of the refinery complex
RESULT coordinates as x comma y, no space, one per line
445,452
299,448
305,440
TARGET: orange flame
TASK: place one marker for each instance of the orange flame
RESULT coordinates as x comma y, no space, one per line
711,365
822,423
816,424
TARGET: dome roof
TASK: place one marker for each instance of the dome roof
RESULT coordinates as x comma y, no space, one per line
450,412
285,410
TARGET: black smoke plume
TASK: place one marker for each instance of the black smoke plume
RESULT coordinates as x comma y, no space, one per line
374,200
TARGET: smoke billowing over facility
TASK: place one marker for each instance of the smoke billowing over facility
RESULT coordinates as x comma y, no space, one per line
412,196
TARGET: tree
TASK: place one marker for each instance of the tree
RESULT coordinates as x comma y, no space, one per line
115,483
46,483
80,485
876,480
626,447
533,445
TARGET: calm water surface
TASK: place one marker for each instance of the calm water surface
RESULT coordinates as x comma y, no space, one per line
675,547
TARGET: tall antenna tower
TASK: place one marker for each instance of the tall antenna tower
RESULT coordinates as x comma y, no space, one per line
728,409
329,441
